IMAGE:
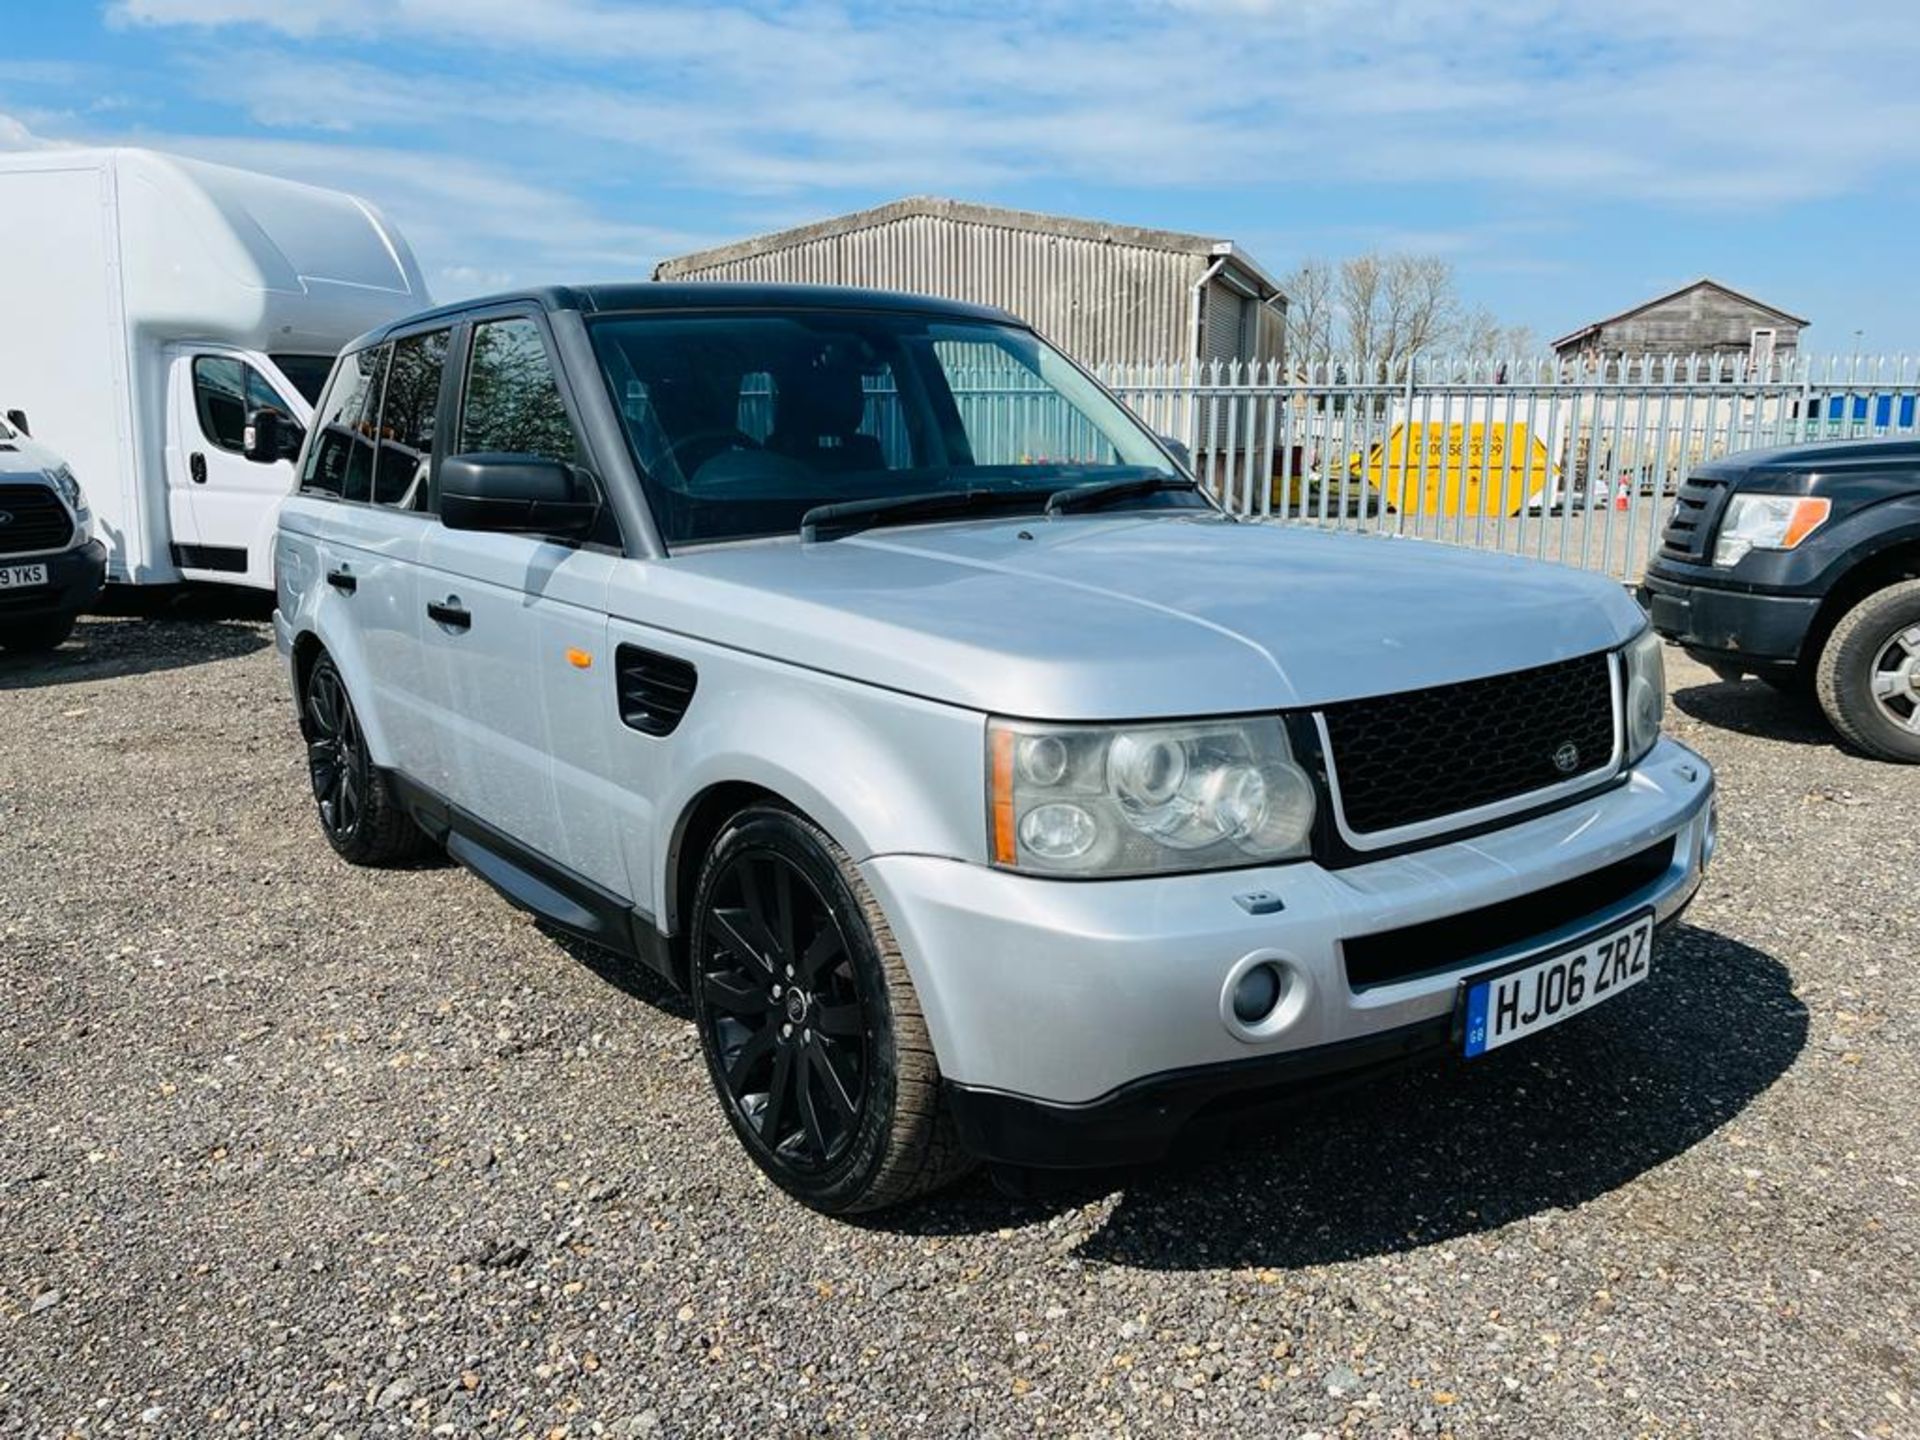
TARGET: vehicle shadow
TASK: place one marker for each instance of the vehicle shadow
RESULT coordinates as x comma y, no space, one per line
1452,1149
1749,707
628,976
145,632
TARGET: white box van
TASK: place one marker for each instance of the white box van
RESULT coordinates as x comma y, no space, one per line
150,303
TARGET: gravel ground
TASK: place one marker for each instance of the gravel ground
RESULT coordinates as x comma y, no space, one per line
292,1149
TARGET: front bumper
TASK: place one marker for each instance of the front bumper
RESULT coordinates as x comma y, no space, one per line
1082,1023
74,579
1728,629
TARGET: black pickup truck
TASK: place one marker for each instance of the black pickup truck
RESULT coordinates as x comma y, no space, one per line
1802,566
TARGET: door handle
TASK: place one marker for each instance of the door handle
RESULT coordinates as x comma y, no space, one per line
343,581
450,613
197,467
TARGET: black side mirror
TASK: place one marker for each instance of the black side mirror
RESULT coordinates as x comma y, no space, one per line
18,420
1180,452
516,495
270,435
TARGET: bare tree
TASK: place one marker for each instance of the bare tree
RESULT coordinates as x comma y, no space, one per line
1311,303
1380,309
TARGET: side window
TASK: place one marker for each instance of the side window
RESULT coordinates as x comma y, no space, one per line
405,435
513,404
340,459
225,392
220,395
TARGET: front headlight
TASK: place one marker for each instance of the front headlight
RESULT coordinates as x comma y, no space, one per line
1644,670
1144,799
69,489
1768,522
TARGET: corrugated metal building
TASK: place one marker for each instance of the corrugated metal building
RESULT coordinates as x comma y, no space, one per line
1104,293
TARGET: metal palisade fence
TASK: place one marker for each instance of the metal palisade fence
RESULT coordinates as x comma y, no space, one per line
1574,461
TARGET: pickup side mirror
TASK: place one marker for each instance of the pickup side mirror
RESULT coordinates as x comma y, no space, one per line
18,420
270,436
516,495
1180,452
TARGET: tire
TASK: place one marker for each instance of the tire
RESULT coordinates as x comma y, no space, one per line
361,816
36,637
831,1082
1869,676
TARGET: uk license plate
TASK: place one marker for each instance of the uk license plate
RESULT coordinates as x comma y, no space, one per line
18,577
1509,1005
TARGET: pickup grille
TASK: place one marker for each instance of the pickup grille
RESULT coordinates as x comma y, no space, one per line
655,689
35,520
1424,754
1696,510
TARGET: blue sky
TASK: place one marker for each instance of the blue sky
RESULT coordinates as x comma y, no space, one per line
1570,157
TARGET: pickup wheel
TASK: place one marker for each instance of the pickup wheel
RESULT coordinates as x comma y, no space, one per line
362,817
810,1024
1869,676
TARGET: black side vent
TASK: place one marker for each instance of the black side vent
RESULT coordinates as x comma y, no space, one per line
655,689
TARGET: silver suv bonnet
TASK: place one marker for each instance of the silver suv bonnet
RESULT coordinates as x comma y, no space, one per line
1131,617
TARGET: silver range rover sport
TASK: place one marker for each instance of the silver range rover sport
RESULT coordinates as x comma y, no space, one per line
859,663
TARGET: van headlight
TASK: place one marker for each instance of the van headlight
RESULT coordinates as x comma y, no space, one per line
69,490
1644,669
1105,800
1767,522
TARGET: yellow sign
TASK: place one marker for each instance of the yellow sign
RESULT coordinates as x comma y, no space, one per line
1458,469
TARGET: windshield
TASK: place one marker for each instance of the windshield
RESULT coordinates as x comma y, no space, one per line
742,423
307,372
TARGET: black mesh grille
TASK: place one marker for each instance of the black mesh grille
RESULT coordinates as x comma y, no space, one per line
655,689
35,520
1422,754
1696,509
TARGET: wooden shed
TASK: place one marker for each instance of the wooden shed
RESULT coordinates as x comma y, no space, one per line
1704,318
1104,293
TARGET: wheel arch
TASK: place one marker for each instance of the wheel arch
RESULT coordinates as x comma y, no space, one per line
1886,566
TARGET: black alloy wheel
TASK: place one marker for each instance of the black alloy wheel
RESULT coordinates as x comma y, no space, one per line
810,1023
336,754
359,812
784,1009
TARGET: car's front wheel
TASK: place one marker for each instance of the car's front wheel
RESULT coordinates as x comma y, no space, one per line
1869,676
362,817
811,1028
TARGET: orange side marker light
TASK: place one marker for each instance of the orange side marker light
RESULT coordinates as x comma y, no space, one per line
579,659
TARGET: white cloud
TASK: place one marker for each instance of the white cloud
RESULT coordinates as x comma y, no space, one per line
1711,103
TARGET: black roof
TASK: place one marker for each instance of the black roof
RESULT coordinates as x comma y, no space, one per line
700,295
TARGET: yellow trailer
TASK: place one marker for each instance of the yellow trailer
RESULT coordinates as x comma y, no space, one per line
1459,468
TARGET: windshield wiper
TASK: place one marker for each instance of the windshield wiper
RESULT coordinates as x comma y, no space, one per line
848,517
1093,497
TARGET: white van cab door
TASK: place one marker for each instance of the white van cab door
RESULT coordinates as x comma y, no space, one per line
221,505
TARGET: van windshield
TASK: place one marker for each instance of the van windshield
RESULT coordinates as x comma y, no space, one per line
742,423
307,372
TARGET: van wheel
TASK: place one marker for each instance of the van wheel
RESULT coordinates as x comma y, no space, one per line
362,817
36,637
811,1027
1869,678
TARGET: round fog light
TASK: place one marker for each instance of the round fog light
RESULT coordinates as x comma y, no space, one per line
1257,992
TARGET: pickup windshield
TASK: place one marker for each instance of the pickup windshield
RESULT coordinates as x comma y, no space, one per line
743,423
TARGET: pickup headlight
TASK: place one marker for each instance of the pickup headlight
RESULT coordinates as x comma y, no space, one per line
1108,800
1644,672
1767,522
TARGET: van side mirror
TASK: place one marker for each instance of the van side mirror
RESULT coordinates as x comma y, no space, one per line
270,436
1180,452
516,495
18,420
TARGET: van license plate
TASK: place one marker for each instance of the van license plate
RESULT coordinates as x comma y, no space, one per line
18,577
1506,1006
